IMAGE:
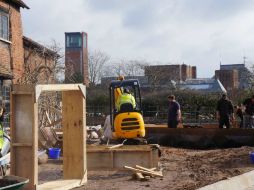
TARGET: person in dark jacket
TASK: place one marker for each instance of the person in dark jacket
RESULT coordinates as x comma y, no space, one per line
225,110
174,112
239,114
248,119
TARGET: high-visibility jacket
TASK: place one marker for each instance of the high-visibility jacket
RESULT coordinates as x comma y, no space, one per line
1,136
125,98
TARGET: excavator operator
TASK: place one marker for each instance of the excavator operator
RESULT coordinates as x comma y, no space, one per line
126,102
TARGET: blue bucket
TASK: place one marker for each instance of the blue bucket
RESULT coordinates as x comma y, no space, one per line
54,153
252,157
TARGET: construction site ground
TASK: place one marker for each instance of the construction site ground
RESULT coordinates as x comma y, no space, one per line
183,169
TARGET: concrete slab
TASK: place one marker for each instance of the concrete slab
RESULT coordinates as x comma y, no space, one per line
241,182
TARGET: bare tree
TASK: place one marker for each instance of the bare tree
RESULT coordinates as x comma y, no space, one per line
134,67
97,61
42,64
126,68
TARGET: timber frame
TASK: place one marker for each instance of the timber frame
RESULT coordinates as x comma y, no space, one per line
24,134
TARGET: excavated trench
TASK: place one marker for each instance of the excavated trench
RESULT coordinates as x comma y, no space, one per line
200,138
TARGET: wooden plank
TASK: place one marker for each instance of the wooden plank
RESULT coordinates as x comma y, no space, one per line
59,87
21,144
125,148
48,118
143,168
143,171
54,123
60,185
18,89
24,131
115,146
139,176
56,87
74,135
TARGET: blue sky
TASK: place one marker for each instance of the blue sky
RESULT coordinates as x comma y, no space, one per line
196,32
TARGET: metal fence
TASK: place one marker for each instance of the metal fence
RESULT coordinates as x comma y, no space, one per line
157,114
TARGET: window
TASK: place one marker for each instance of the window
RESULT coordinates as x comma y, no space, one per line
73,41
4,25
5,98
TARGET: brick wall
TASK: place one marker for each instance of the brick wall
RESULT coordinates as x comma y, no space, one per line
162,74
5,56
85,66
39,66
12,54
194,72
228,78
16,38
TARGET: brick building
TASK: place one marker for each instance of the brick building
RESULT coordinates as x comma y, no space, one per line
11,46
11,34
39,63
19,54
76,57
235,76
229,78
164,74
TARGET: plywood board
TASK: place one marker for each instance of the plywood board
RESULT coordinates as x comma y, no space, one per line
24,135
74,135
60,185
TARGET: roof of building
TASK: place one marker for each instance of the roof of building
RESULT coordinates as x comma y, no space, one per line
20,3
203,85
232,66
143,80
123,83
5,73
29,43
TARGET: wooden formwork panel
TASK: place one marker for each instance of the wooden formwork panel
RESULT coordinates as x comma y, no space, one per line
24,134
100,157
24,137
74,135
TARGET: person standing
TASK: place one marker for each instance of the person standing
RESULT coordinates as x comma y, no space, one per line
248,118
174,112
239,114
225,110
1,129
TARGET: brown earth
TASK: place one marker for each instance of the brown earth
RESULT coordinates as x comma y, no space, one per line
183,169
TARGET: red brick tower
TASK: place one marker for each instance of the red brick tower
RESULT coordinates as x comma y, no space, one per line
76,57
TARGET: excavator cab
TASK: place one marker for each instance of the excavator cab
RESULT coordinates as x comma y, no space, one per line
127,122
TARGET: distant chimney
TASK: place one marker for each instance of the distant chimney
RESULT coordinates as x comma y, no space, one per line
194,72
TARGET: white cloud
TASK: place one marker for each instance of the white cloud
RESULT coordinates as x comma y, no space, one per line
200,32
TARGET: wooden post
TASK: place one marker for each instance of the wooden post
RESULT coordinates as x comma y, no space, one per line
74,135
24,136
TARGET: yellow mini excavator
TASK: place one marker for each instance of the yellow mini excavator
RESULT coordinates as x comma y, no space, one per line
126,124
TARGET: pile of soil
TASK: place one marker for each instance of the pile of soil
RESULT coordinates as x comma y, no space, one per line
183,169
